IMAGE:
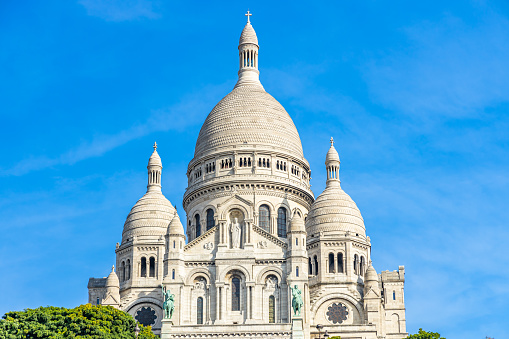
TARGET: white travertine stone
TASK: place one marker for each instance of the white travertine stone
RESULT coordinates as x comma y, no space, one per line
253,230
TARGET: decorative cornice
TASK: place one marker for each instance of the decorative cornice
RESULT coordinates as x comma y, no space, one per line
270,237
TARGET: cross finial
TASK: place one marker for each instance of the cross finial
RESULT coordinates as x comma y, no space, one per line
331,141
155,146
113,268
248,14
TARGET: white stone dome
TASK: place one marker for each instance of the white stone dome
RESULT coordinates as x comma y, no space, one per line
248,35
112,279
150,216
334,211
249,116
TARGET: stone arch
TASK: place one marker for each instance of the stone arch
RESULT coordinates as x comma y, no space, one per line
260,279
247,276
196,272
265,202
153,303
226,210
317,304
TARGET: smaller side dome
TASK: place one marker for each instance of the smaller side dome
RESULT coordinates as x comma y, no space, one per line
112,280
175,227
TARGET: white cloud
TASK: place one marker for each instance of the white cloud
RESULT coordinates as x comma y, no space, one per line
120,10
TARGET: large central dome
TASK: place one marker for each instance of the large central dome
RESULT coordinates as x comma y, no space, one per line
249,116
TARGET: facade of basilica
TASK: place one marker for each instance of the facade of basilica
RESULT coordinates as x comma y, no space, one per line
254,231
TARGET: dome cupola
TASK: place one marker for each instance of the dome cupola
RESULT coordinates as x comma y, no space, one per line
334,211
112,279
151,215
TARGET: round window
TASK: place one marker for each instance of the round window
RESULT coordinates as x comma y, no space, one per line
337,313
146,316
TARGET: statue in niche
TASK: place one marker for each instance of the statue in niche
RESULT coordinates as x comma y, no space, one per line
271,283
235,231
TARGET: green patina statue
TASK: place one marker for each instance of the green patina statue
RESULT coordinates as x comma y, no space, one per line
297,302
169,303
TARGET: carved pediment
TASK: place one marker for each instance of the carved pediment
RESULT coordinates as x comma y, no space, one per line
233,198
266,239
204,241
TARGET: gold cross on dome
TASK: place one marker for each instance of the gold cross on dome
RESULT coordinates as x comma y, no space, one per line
248,14
331,141
155,146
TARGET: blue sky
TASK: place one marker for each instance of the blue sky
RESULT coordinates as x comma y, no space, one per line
416,95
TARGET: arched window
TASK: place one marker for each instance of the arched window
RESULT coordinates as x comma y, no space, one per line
393,295
123,270
210,219
199,311
235,294
310,267
143,268
363,264
173,243
297,271
340,263
316,265
152,272
98,301
356,264
198,226
331,263
264,218
272,309
128,266
281,222
173,274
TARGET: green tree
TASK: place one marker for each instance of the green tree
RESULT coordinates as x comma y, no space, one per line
82,322
425,335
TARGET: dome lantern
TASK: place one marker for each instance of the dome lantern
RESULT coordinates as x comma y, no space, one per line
155,167
248,56
332,163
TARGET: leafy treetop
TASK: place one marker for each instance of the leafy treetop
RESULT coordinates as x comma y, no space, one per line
83,322
425,335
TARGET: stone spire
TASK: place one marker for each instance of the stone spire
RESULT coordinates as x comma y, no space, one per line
155,167
332,165
248,56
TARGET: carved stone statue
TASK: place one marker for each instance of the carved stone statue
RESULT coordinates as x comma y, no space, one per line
297,302
235,231
169,303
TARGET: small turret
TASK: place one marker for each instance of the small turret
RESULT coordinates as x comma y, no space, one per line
248,56
112,295
155,167
332,163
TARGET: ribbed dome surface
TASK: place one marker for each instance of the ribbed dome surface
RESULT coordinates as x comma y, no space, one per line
248,35
150,216
332,155
155,159
334,211
249,115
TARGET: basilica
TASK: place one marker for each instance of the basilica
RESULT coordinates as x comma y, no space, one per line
252,233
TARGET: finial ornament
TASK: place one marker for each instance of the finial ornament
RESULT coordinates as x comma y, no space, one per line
331,141
248,14
155,146
113,268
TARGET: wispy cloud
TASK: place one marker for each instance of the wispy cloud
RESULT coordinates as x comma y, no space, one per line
191,110
121,10
448,68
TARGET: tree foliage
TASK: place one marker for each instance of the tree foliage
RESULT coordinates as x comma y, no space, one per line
83,322
425,335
